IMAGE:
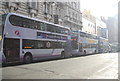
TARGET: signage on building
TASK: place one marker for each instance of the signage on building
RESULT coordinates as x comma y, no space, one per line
104,32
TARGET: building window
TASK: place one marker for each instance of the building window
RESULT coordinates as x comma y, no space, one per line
91,25
48,8
33,4
88,24
73,15
59,13
15,5
44,8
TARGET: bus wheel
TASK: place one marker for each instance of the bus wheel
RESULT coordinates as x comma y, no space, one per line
28,58
84,52
63,54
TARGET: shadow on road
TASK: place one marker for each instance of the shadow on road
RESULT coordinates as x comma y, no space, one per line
41,61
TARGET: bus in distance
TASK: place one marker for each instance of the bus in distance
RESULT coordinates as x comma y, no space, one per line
86,43
103,45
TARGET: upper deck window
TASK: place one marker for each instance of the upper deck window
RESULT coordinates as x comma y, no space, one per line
33,24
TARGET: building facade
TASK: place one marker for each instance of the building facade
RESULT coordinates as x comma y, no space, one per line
31,9
93,25
101,28
73,15
89,24
112,24
63,13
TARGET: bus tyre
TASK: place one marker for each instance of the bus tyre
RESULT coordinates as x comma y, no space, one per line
28,58
84,52
63,55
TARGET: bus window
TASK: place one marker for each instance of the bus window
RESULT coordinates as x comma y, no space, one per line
50,28
57,45
57,29
63,44
43,26
28,44
25,23
17,21
82,34
32,24
13,20
35,25
37,44
40,44
39,26
66,32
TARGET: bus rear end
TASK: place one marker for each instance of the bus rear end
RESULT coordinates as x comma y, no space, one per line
1,28
75,43
2,23
9,44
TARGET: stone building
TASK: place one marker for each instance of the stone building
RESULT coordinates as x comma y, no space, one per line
31,9
64,13
113,29
101,28
93,25
89,22
73,16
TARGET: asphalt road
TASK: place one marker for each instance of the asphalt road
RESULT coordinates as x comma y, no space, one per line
99,66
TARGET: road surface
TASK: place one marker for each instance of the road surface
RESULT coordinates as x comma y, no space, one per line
99,66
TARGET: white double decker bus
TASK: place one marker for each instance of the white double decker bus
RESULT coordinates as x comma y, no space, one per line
104,46
84,43
27,39
89,43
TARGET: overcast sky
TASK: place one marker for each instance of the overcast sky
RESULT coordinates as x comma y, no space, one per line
101,7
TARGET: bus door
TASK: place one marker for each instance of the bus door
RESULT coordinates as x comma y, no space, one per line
80,47
11,49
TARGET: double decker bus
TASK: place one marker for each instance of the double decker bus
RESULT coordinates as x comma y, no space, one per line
104,45
27,39
85,43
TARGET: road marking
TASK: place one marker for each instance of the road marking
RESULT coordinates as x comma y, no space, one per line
106,67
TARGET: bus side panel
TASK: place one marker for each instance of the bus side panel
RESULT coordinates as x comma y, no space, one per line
57,51
39,54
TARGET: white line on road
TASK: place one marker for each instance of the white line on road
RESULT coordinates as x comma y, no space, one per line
106,67
103,69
